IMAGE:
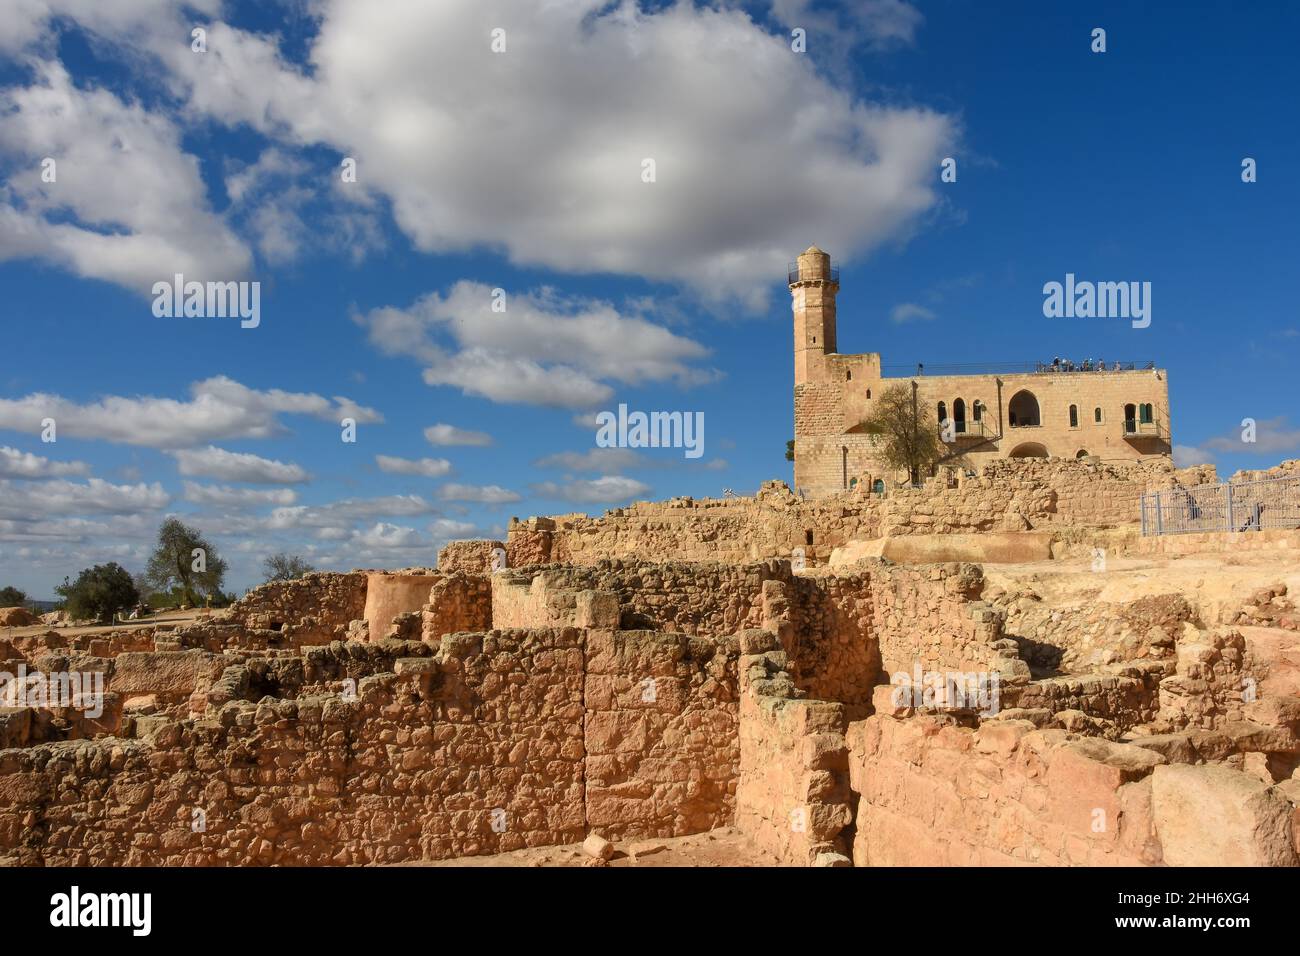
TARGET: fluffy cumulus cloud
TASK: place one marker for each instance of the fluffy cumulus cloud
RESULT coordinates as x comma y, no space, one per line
238,499
482,494
443,434
218,408
20,464
543,348
32,501
755,152
93,218
609,489
420,467
213,462
1187,455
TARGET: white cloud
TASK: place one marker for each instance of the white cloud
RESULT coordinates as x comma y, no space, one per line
595,459
1273,436
559,185
910,312
340,514
219,409
1187,455
605,490
28,501
423,467
18,464
545,349
485,494
95,220
443,434
213,462
224,496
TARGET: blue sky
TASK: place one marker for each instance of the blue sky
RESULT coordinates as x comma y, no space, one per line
521,170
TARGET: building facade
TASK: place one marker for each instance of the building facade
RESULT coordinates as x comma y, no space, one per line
1055,410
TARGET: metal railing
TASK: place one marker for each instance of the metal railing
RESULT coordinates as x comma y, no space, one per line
792,272
1015,368
1243,506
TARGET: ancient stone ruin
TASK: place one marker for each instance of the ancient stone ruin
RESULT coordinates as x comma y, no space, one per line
942,675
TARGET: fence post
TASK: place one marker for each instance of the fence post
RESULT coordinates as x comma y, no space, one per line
1231,523
1142,507
1160,519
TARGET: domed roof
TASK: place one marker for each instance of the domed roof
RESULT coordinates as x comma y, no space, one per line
813,250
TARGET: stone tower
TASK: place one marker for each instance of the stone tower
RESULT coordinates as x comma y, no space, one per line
813,285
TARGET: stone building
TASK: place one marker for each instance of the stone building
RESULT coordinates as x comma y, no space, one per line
1056,410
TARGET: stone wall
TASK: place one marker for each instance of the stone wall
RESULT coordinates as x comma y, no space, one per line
1004,495
1005,794
660,731
384,752
313,609
793,797
458,601
470,557
1055,639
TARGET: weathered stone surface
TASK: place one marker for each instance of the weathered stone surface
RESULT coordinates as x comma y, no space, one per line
1213,816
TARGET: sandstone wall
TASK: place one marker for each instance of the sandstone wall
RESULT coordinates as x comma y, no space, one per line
458,601
792,799
660,731
499,741
935,793
1004,495
313,609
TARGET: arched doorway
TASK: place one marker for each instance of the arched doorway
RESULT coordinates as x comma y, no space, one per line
1022,411
1081,453
1130,418
959,416
1029,449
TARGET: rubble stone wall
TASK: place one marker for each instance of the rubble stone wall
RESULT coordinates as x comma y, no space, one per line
499,741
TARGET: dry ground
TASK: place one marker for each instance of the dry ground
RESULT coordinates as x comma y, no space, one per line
717,848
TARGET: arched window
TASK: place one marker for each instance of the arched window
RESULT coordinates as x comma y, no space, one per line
959,415
868,393
1130,418
1096,414
943,412
1081,453
977,410
1144,414
844,459
1074,416
1022,411
848,375
1030,449
878,486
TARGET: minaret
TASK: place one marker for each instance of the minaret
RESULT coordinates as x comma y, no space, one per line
813,284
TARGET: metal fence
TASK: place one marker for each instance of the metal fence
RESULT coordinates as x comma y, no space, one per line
1244,506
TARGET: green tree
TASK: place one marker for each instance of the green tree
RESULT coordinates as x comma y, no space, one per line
184,559
99,592
789,450
908,436
285,567
12,597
